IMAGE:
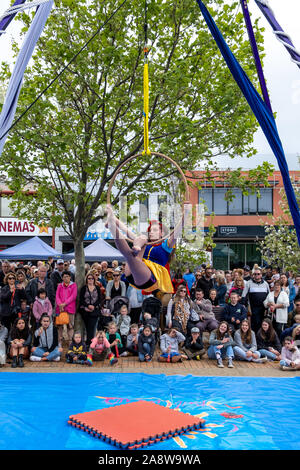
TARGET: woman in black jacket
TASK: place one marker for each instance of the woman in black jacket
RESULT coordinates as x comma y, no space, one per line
11,296
91,301
267,340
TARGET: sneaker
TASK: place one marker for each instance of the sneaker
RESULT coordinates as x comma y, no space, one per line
35,358
124,354
230,365
220,363
263,359
57,359
287,368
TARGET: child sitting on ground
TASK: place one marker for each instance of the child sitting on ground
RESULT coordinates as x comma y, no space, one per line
132,340
193,346
290,355
146,344
77,352
100,349
41,305
169,345
115,341
123,321
148,320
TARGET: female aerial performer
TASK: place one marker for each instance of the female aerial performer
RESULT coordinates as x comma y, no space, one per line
147,266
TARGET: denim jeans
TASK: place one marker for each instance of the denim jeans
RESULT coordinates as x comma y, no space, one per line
224,352
146,350
284,363
240,354
53,355
267,353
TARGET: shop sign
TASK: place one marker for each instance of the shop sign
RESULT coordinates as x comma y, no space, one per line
16,227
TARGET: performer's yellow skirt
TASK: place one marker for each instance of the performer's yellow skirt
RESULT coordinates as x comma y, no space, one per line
162,276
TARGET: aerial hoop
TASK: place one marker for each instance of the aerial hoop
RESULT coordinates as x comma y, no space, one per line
183,178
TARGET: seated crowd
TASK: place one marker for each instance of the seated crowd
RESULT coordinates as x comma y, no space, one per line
245,315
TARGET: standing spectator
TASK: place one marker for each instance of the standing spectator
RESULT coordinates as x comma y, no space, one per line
254,294
41,305
5,269
116,287
268,343
19,342
91,300
247,273
294,315
40,282
179,281
297,287
10,300
189,277
277,302
221,289
56,275
45,343
66,295
22,281
229,281
206,282
213,297
193,289
238,287
245,348
234,312
135,298
3,338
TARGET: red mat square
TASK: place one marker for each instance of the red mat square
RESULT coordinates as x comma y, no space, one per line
135,424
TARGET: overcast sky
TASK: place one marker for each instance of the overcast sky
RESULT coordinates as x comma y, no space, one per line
282,75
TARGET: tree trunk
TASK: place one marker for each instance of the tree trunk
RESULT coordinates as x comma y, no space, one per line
80,280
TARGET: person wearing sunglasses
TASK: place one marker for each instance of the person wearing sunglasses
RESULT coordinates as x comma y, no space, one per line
10,300
116,287
254,294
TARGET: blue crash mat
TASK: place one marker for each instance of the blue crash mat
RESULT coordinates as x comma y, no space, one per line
239,412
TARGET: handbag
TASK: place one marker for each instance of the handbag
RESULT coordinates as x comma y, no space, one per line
62,319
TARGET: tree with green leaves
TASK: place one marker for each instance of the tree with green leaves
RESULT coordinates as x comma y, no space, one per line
73,140
280,247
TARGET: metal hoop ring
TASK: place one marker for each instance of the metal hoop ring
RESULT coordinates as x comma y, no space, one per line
156,154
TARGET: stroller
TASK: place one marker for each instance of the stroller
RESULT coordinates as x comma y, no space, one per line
153,306
110,310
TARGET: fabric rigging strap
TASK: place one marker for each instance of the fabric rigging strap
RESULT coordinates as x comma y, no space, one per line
282,37
260,110
146,150
15,83
6,19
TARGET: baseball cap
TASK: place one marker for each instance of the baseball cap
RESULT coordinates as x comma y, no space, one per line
195,330
246,268
60,261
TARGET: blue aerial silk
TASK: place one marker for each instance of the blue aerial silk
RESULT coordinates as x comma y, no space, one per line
261,112
15,83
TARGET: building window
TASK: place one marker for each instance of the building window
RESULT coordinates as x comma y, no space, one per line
215,201
5,210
